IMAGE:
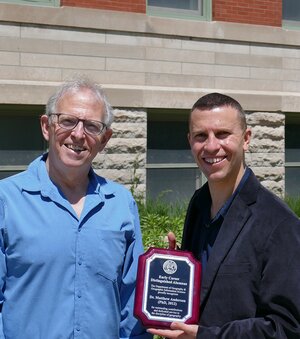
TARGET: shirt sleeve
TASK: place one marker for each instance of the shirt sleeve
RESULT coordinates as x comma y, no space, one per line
278,300
2,264
130,326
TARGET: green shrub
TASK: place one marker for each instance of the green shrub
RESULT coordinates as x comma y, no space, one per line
158,218
294,204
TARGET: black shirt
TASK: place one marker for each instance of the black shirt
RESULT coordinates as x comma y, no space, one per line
209,232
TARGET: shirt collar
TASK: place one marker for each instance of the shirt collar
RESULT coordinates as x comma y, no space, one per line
38,180
224,209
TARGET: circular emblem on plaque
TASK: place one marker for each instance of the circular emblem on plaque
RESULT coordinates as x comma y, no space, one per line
170,266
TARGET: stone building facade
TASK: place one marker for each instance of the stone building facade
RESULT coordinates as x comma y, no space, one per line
158,65
125,160
266,151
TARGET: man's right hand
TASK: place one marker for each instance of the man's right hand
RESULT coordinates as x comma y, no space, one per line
172,241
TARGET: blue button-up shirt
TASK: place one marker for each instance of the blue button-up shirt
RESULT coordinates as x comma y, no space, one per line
62,276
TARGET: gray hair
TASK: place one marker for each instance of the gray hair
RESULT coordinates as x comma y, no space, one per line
74,85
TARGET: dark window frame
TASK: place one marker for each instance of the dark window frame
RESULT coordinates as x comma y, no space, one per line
204,12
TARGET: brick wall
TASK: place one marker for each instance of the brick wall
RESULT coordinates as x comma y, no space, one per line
260,12
137,6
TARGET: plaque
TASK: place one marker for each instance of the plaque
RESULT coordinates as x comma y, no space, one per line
168,288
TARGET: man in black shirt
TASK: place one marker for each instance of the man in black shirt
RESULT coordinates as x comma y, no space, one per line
247,239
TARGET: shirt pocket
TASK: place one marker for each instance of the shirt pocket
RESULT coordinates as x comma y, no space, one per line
107,250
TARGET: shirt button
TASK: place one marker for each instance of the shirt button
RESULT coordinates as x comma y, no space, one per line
79,263
79,295
78,329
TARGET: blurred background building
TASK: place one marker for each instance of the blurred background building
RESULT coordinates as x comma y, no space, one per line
155,58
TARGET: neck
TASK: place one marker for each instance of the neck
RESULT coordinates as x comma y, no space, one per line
218,199
71,183
221,191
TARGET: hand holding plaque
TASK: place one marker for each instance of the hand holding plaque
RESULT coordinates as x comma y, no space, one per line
168,288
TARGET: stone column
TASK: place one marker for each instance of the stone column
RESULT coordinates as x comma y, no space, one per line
124,159
266,152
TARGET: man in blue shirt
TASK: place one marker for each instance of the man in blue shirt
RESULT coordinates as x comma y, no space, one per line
70,239
247,239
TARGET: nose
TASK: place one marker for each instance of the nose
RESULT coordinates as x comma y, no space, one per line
212,143
78,131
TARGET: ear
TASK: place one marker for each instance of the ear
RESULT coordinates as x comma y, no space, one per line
105,137
247,138
44,121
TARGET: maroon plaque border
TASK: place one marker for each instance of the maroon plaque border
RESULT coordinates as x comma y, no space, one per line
140,297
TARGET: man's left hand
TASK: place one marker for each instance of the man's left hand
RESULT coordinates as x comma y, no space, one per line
177,331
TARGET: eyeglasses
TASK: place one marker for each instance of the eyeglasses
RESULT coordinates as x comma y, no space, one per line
69,122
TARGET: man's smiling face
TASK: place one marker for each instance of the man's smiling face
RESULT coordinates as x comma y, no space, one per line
75,148
218,143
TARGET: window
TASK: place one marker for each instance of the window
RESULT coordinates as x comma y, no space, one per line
193,9
172,174
21,139
291,13
33,2
292,155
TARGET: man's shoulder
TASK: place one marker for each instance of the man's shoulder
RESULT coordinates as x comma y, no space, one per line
265,204
108,186
27,178
263,195
274,204
16,180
